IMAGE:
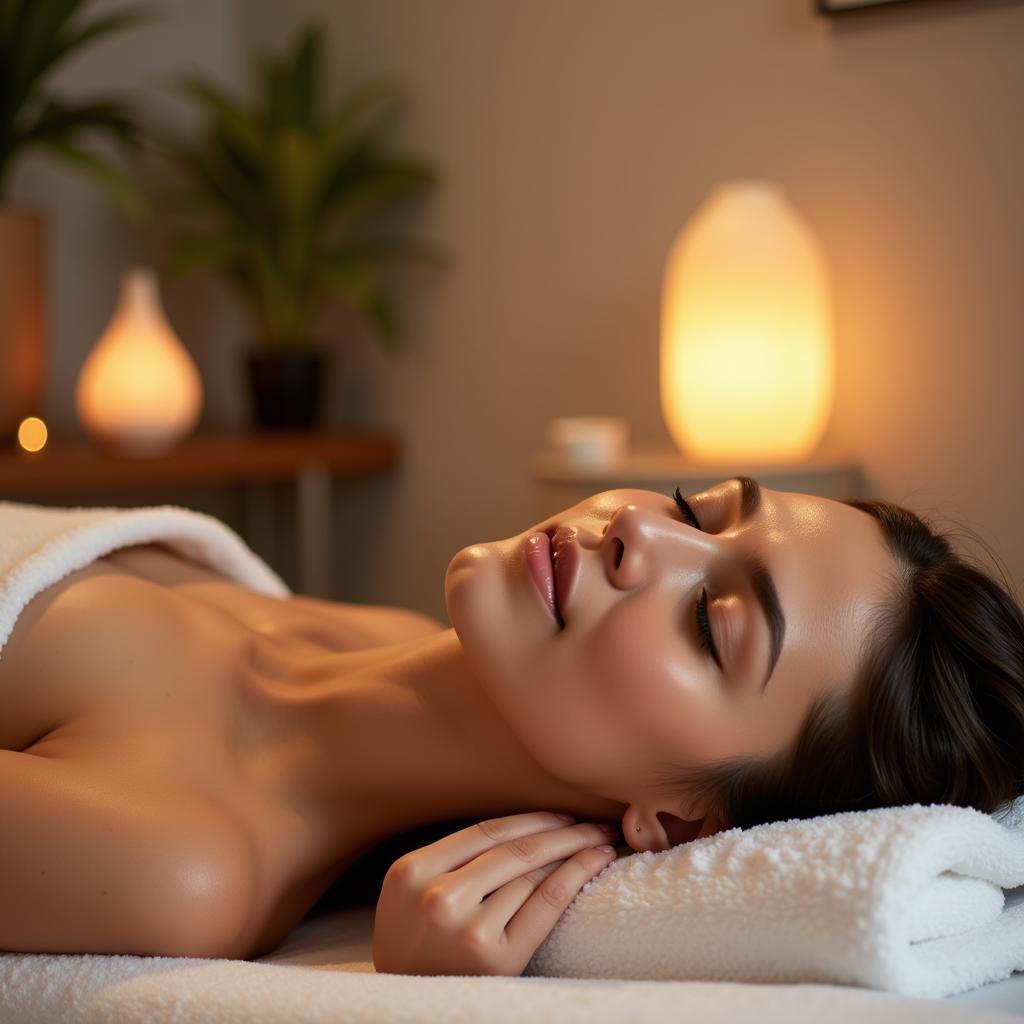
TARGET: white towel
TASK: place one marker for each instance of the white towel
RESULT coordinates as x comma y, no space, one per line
906,899
40,545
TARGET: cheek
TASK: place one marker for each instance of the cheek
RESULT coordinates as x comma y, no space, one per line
576,731
653,683
634,653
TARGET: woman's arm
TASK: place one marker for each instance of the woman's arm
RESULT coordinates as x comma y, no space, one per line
87,865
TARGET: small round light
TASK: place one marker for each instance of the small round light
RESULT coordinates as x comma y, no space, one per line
32,433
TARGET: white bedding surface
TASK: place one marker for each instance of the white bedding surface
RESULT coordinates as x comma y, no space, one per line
323,973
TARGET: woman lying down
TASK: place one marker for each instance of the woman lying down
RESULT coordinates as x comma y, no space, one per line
187,764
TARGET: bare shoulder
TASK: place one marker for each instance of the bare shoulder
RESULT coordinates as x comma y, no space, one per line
98,863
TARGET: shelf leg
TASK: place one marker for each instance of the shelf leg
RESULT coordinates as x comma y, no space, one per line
314,535
259,526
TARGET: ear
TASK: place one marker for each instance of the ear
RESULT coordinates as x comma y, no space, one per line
661,829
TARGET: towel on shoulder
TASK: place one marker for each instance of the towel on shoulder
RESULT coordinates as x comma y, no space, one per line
40,545
906,899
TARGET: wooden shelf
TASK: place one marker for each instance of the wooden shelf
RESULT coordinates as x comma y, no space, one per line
309,460
244,457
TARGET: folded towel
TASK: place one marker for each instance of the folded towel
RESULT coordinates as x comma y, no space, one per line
906,899
40,545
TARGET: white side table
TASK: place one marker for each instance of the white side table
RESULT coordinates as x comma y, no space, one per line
560,484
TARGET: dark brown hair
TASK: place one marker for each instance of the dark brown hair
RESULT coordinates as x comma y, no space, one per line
934,715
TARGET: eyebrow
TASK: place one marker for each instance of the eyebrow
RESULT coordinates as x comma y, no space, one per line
761,581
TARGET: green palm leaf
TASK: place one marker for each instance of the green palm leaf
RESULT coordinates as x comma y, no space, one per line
403,248
235,124
371,184
305,87
62,121
122,187
366,110
354,278
36,36
287,191
55,42
189,252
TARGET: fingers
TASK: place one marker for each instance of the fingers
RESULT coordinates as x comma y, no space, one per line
481,900
515,857
533,922
501,904
453,851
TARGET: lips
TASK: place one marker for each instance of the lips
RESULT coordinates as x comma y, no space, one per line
566,557
540,566
553,562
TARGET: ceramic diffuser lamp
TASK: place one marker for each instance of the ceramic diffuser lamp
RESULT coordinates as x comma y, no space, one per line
139,389
747,350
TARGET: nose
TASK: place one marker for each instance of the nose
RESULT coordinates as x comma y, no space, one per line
638,543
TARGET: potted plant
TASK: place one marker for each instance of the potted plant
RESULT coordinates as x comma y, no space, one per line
37,37
282,194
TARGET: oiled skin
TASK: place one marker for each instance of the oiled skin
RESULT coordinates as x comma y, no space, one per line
144,810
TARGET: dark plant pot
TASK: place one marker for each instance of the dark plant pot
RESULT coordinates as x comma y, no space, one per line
286,388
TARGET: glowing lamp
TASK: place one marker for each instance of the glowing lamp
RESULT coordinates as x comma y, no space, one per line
139,388
32,434
747,350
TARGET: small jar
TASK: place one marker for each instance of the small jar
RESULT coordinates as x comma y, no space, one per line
589,441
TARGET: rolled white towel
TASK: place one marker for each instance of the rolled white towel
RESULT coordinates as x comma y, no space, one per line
907,899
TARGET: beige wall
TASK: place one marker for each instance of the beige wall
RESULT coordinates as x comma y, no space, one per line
575,138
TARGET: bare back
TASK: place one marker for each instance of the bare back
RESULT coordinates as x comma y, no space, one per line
138,762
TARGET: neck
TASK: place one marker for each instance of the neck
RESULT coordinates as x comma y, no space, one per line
401,736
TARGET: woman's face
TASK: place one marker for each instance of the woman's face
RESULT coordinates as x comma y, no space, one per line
626,688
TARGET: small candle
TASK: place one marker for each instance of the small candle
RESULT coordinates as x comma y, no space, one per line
589,441
32,434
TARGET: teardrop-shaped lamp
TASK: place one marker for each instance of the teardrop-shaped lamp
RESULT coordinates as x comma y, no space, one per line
139,388
747,349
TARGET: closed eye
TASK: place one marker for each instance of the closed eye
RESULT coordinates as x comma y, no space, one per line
684,507
704,634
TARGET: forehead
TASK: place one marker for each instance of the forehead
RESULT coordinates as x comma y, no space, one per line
829,558
833,573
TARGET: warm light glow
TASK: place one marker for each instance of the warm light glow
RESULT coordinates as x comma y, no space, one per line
139,387
32,433
747,351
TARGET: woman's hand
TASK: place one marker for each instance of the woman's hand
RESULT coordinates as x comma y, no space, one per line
481,900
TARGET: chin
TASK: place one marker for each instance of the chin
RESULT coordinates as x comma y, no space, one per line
473,597
461,581
482,607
